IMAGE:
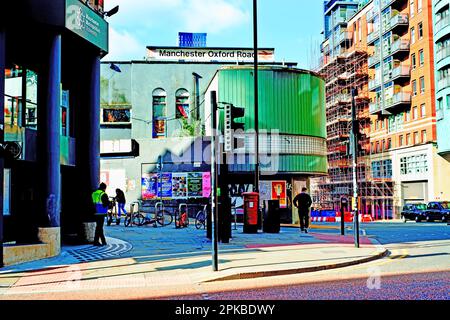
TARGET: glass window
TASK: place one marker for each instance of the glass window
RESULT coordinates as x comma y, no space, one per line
421,58
440,105
422,85
182,104
416,137
415,113
448,102
423,111
400,141
159,113
424,136
413,61
408,139
413,35
411,8
420,30
419,5
116,116
414,87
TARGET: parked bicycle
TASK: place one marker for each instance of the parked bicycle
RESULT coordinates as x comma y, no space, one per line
112,215
200,218
142,215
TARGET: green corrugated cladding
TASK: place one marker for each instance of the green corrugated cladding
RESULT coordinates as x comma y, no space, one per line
290,100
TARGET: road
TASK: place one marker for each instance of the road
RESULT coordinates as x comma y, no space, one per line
417,268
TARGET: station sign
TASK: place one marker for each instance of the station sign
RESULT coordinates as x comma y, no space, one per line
86,23
209,54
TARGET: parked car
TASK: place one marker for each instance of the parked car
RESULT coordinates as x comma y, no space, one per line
414,211
438,211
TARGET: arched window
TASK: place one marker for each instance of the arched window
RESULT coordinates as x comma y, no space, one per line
159,113
182,104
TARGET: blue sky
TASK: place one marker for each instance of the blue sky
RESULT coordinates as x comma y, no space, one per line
292,27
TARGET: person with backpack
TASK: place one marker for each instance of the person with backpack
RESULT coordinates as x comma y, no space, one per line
303,202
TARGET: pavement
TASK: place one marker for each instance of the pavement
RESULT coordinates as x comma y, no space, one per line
168,261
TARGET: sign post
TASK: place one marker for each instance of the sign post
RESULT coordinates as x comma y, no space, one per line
214,179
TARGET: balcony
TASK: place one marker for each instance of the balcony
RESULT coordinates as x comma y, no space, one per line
401,72
443,83
386,3
373,60
398,46
398,99
441,24
374,84
442,54
371,37
399,20
374,107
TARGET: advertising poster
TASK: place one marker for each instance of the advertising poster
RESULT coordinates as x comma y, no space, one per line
195,181
206,184
149,186
265,190
164,186
179,185
279,192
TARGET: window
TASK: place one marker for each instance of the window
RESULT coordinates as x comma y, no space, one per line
440,105
383,145
421,58
419,5
424,136
389,144
182,104
378,146
414,88
411,8
359,30
414,165
408,115
159,113
415,113
422,85
413,35
423,111
382,169
116,116
413,61
420,31
416,137
408,139
448,102
400,141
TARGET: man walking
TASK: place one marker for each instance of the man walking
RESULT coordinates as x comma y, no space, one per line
101,203
303,202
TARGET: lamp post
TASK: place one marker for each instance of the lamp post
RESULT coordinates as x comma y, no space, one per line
255,47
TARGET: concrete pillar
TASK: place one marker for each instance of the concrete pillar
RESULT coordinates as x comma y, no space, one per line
2,120
49,124
87,129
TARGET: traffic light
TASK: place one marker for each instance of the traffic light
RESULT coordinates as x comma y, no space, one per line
233,113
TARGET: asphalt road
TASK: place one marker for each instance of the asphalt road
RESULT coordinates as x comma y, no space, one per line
417,268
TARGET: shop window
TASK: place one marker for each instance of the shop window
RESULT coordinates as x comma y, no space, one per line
182,104
159,113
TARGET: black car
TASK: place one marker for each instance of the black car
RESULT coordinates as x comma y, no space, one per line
414,211
438,211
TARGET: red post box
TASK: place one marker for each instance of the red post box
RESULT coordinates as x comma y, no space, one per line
251,212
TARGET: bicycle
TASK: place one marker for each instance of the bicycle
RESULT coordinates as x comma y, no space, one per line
200,218
112,212
182,218
161,216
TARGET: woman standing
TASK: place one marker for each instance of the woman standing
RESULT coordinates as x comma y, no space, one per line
120,199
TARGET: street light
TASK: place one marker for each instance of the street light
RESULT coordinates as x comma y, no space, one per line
111,12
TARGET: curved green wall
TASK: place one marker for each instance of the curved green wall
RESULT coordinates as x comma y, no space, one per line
290,100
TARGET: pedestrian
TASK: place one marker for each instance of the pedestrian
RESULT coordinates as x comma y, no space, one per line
101,203
120,199
303,202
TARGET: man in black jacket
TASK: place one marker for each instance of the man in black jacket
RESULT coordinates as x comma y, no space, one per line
303,202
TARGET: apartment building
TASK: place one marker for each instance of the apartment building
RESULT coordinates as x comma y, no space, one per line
441,21
402,86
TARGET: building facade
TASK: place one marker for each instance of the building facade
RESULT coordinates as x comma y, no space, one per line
160,109
399,162
51,136
441,20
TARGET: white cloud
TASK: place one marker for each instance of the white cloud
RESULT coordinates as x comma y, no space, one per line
124,46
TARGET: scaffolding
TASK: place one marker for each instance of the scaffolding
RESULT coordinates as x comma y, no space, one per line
343,73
